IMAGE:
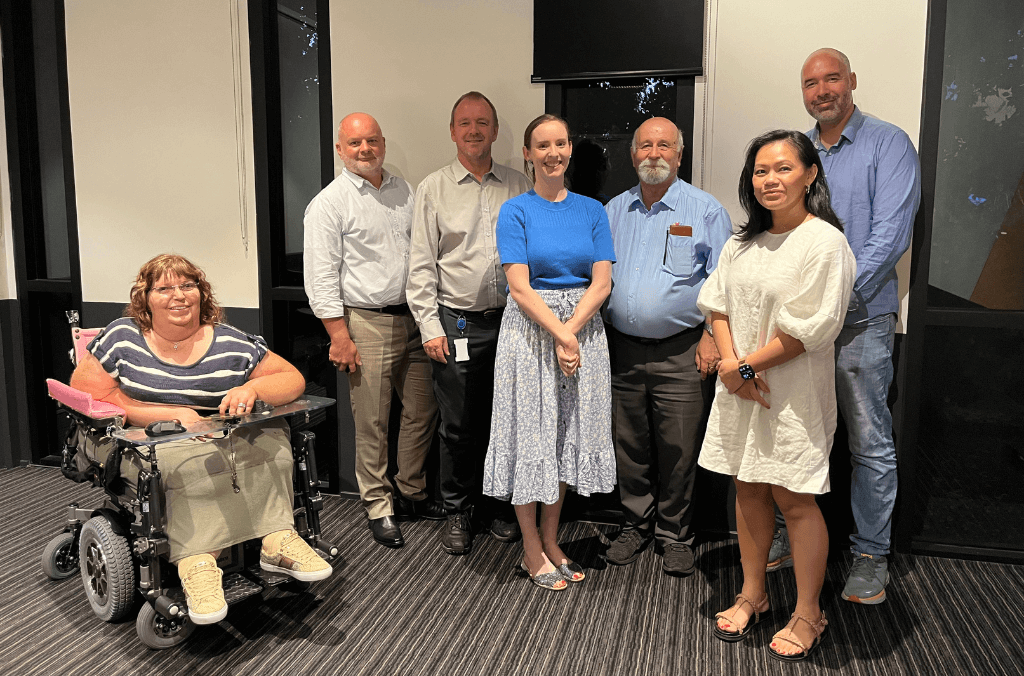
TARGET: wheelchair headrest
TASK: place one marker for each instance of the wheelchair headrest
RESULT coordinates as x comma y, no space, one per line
81,339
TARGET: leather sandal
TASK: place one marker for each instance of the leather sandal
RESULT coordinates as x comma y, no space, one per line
734,636
546,580
819,628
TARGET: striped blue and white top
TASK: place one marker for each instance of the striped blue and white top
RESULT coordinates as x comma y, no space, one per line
125,356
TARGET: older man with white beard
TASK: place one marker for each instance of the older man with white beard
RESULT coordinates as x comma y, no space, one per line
667,237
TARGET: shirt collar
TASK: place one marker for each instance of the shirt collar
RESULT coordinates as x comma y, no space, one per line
360,182
849,133
461,173
669,200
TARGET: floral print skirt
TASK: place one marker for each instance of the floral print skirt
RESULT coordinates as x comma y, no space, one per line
547,429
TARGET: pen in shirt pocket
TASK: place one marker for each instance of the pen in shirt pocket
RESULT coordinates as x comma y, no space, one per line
679,231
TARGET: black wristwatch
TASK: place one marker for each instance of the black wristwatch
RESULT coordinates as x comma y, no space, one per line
746,370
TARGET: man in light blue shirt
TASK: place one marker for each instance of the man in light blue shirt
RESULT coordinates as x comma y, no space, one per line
667,237
874,175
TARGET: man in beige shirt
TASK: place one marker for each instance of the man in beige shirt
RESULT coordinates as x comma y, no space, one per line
456,292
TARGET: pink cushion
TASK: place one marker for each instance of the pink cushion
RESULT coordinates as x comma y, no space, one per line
82,338
82,401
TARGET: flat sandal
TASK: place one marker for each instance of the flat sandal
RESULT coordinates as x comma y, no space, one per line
546,580
734,636
819,628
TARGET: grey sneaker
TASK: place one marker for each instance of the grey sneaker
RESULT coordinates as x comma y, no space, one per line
779,555
627,547
677,559
867,580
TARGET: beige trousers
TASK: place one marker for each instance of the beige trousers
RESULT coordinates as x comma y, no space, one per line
203,512
393,360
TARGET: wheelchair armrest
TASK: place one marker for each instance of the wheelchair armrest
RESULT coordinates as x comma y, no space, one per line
83,401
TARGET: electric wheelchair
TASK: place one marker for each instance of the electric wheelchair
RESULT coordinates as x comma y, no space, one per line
120,548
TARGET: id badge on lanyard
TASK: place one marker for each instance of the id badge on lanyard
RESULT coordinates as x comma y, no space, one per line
461,344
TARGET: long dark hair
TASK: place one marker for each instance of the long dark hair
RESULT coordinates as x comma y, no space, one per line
818,199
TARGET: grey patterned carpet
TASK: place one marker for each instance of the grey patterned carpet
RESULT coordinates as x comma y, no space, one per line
418,610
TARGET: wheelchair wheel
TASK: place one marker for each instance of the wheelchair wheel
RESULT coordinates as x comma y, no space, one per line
157,632
60,560
107,570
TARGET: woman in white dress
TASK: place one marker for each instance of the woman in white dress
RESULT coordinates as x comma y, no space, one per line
777,302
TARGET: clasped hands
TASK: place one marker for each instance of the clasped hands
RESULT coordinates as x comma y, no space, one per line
729,374
567,350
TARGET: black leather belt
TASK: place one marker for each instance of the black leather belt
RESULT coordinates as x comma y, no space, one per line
400,309
491,313
653,341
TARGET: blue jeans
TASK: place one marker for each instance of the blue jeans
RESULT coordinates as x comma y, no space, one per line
863,377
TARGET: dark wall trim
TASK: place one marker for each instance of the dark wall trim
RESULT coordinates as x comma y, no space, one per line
1012,319
100,314
912,360
14,399
265,75
327,132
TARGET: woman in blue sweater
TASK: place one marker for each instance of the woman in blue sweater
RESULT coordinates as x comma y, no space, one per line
551,422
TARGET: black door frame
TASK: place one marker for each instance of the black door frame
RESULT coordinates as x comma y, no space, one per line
34,35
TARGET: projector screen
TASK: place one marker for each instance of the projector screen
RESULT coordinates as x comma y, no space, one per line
575,40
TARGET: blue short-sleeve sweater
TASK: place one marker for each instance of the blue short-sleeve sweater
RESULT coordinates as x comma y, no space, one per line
559,241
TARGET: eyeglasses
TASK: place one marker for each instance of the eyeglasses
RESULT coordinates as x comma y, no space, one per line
186,287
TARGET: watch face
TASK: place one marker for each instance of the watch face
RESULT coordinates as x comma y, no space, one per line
747,371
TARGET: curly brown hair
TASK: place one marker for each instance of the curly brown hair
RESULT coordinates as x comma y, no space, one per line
138,308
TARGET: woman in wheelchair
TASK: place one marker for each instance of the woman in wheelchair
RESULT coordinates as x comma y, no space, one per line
170,357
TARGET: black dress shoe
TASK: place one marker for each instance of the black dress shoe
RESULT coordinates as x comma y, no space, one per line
457,538
406,509
386,531
505,531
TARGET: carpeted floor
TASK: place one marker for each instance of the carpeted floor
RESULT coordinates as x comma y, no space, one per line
417,610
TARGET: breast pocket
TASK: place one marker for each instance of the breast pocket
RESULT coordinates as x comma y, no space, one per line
678,258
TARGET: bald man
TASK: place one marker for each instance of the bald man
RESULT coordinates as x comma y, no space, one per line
667,237
356,261
874,176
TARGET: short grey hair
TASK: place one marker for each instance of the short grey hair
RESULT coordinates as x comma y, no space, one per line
679,140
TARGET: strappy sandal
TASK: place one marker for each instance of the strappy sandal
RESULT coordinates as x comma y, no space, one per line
734,636
819,628
545,580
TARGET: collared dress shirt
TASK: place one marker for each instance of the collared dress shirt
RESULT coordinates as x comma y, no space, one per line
356,244
659,275
875,178
454,258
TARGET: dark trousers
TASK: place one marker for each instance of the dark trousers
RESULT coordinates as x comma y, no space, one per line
658,400
464,391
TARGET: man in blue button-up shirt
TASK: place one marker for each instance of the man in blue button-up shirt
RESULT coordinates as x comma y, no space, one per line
874,175
667,236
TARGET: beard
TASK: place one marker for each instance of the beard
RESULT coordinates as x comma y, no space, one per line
654,172
840,105
363,167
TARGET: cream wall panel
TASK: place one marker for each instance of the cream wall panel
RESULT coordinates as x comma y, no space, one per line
753,82
8,285
162,138
406,62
